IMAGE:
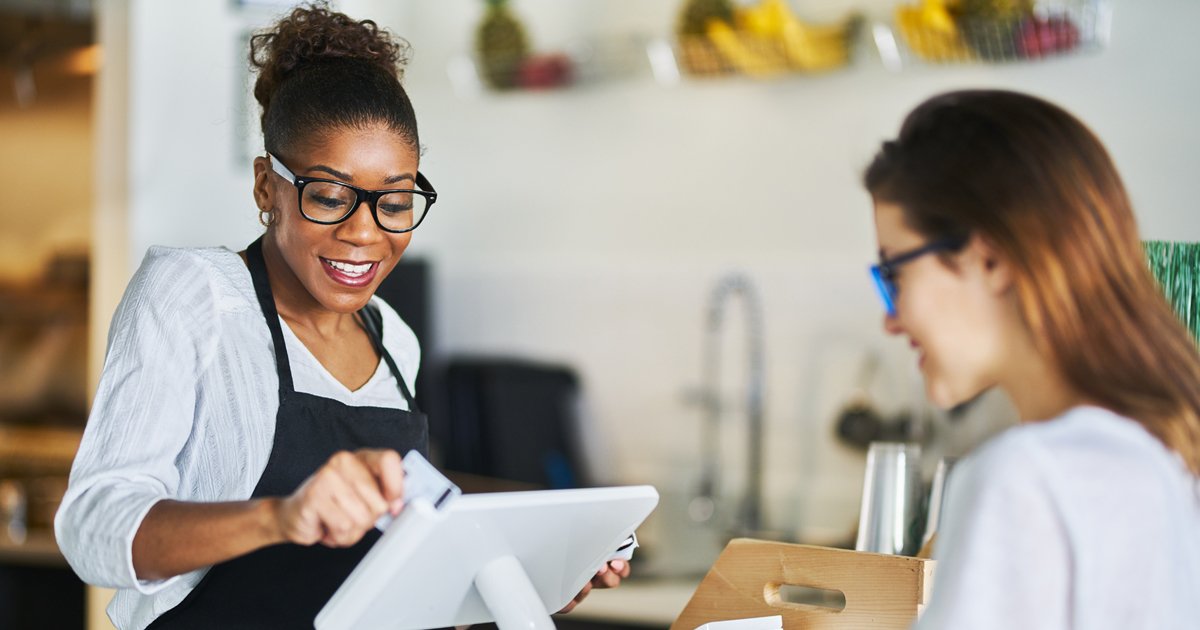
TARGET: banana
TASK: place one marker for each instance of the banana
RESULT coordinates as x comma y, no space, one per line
772,26
759,62
816,48
765,19
813,51
936,16
928,39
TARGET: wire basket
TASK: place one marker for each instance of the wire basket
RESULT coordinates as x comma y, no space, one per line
757,57
919,34
582,61
740,52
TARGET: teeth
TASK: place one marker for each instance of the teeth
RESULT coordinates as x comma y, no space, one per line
348,269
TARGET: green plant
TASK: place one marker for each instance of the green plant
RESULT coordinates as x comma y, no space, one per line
1176,266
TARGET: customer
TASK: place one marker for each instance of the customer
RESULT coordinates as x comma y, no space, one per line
1010,258
253,407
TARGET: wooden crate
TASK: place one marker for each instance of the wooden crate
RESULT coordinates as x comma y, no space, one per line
881,591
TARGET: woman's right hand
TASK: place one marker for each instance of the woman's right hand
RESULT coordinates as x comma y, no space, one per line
335,507
340,503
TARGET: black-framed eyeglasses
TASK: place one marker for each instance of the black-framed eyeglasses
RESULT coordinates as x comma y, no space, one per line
328,201
885,272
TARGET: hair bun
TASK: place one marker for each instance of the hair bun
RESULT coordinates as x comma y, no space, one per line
313,33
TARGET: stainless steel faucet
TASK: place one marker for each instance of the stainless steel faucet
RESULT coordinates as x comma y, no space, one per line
703,506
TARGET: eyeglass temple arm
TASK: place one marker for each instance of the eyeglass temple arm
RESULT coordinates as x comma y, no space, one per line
424,184
945,244
283,171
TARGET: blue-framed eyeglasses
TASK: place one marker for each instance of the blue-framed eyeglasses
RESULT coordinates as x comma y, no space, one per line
884,273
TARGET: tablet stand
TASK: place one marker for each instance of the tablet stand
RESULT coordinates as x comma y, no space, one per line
507,557
511,597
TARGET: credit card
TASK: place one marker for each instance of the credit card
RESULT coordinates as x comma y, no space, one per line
423,481
625,551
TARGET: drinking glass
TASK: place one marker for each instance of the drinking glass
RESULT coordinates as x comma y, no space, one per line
891,499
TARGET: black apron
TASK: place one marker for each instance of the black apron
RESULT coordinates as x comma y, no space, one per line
286,585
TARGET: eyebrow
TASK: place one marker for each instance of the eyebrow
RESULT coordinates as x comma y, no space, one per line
331,171
399,178
350,178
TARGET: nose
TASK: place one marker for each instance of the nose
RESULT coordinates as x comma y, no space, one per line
360,228
891,325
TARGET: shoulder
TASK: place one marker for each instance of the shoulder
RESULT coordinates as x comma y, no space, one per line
175,273
181,291
1082,441
1088,459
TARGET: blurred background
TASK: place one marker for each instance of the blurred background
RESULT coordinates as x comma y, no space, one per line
648,259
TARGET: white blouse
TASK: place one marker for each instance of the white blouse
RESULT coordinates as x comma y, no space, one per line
186,410
1085,521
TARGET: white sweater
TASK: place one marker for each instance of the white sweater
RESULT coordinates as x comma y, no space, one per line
1086,521
186,410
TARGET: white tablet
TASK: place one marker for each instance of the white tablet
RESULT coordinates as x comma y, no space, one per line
505,557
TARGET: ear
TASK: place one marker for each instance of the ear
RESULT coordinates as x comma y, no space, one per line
263,190
995,268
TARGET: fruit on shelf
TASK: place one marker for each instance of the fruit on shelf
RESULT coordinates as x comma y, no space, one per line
545,71
992,40
992,27
807,47
693,19
931,32
936,14
1047,36
501,44
992,30
815,49
767,39
751,55
995,9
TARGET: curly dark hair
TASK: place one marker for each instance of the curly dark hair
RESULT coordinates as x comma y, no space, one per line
319,70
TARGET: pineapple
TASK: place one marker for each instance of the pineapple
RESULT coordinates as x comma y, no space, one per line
502,45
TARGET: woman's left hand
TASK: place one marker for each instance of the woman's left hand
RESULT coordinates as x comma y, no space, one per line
609,576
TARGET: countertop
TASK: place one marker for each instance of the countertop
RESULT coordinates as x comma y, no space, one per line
651,603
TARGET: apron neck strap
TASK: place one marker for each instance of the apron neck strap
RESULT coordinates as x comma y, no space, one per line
373,322
262,288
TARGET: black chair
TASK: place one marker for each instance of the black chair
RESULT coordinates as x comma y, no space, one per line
509,419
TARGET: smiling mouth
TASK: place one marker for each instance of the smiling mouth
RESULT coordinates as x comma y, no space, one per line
350,269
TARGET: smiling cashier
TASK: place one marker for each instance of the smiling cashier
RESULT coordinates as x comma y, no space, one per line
253,407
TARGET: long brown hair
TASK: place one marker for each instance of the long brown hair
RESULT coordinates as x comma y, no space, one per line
1036,184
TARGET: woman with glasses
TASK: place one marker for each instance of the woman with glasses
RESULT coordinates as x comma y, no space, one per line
254,406
1010,258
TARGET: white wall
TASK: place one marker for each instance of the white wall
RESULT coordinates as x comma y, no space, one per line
588,225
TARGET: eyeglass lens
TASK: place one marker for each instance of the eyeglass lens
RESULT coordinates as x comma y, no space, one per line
329,202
